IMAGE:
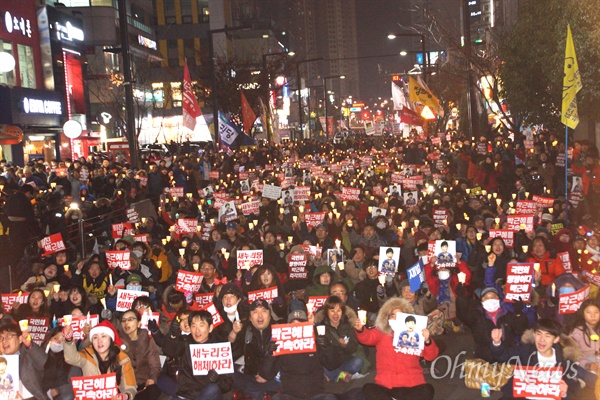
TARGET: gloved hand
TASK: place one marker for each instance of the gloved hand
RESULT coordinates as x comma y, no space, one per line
424,288
106,314
460,290
272,347
518,306
152,326
380,291
175,328
322,341
213,376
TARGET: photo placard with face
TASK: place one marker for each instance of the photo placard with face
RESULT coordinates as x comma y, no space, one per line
389,257
445,251
378,212
408,333
411,198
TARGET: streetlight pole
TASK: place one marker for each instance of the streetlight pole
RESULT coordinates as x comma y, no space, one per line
325,97
425,55
268,87
299,83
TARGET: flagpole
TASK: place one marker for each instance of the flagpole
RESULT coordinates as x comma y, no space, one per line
567,174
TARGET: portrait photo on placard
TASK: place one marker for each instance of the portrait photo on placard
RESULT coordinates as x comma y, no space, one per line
227,212
9,376
395,190
208,191
244,186
389,257
411,198
577,185
378,212
306,179
287,196
408,330
334,256
445,251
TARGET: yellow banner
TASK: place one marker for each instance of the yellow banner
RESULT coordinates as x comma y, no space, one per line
571,85
419,93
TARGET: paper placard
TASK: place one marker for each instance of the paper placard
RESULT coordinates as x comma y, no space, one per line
188,281
526,207
302,193
445,251
95,387
217,356
250,208
122,229
519,222
271,191
313,219
118,259
570,303
147,317
565,258
187,226
8,299
203,299
77,323
9,381
408,337
317,301
216,316
537,382
267,294
125,298
38,329
246,259
297,266
294,338
519,277
53,244
416,276
506,234
389,257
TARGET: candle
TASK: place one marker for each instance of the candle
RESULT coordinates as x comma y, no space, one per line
310,307
362,315
462,277
416,221
66,267
553,290
536,266
158,264
458,226
226,255
294,218
338,242
488,248
56,288
251,225
341,266
525,248
237,315
290,239
196,266
301,209
497,220
103,301
181,252
164,242
46,292
381,278
478,235
110,279
88,318
281,246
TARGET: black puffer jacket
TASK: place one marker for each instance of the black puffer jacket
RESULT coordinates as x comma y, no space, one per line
252,344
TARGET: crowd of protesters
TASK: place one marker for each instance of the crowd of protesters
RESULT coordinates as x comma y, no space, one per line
477,183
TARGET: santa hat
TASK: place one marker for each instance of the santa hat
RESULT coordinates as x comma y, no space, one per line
108,329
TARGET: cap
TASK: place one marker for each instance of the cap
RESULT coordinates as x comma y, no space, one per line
134,277
487,290
107,328
298,315
321,226
230,288
547,217
259,303
137,254
231,225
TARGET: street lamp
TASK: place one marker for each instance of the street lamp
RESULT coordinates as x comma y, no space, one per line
268,86
325,97
299,83
392,36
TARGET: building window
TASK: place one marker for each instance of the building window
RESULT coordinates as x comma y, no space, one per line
176,94
173,53
7,78
190,51
203,11
170,9
158,94
26,66
186,11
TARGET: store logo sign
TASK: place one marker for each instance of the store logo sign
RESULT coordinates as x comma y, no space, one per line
37,106
68,32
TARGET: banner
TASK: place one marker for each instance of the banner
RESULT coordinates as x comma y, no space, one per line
118,259
571,85
8,299
122,229
399,97
38,329
537,382
188,281
53,244
314,219
294,338
217,356
506,234
77,323
267,294
191,108
297,266
227,130
216,317
95,387
246,259
519,277
570,303
248,115
125,298
419,93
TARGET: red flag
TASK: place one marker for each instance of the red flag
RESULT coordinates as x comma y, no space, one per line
248,116
410,117
191,109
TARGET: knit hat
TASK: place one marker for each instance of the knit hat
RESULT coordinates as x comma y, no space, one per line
487,290
107,328
259,303
134,277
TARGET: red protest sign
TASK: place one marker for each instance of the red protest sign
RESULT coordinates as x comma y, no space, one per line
77,323
175,191
566,261
207,228
187,226
118,259
590,277
518,222
53,244
569,303
122,229
313,219
294,338
297,266
203,299
317,301
142,237
526,207
248,258
411,182
537,382
252,207
38,329
543,202
213,175
506,234
519,277
301,193
430,249
440,217
125,298
216,317
215,356
350,194
94,387
8,299
188,281
378,191
265,294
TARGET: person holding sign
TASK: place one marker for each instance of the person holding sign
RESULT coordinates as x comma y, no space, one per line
45,278
210,386
103,356
398,375
31,361
143,353
541,348
36,306
57,371
549,266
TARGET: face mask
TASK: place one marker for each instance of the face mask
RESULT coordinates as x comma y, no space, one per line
566,290
137,288
56,347
232,309
381,225
443,275
491,305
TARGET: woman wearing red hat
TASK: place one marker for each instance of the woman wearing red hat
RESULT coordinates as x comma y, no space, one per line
102,357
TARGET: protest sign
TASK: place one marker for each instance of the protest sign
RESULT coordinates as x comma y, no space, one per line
294,338
207,228
350,193
569,303
216,317
211,356
228,212
556,228
408,337
122,229
526,207
267,294
445,251
213,175
187,226
38,329
317,301
313,219
248,258
9,379
77,323
543,202
519,222
537,382
252,207
271,192
410,198
416,276
149,316
53,244
118,259
203,299
8,299
188,281
389,257
142,237
566,261
440,217
95,387
506,234
176,191
125,298
301,193
519,277
297,266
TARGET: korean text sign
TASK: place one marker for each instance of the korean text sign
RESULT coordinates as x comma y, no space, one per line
294,338
94,387
217,356
519,277
537,382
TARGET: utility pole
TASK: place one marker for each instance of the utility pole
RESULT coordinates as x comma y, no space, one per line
128,84
467,38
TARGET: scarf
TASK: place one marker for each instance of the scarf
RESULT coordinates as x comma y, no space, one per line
594,252
444,291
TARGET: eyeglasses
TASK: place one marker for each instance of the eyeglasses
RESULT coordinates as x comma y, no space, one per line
140,306
128,319
8,336
206,268
338,293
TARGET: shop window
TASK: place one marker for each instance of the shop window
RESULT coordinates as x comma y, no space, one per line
26,66
176,94
7,78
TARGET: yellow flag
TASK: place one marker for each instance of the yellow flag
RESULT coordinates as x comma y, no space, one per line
419,93
571,85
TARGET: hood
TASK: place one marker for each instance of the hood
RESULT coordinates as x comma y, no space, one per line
570,348
222,244
382,318
561,280
166,293
349,313
321,270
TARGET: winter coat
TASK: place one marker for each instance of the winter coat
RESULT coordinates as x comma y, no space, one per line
549,267
252,344
525,354
144,355
334,353
31,369
317,289
395,369
367,296
88,362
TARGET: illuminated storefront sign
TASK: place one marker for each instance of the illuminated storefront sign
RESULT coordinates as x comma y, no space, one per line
149,43
68,32
16,24
38,106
